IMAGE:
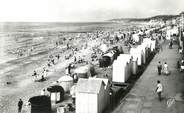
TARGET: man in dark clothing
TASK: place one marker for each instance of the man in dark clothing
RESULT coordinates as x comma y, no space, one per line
171,44
20,103
69,69
159,67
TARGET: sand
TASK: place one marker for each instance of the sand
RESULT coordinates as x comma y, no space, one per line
21,83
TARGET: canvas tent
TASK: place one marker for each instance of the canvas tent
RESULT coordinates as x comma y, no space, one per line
82,72
66,82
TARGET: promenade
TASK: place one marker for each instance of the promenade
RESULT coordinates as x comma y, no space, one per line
142,98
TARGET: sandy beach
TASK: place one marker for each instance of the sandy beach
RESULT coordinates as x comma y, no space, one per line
16,80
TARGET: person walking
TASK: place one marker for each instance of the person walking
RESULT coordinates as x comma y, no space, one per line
161,48
159,67
20,103
159,90
170,44
166,69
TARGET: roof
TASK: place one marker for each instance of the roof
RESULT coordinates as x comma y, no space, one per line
55,88
105,80
89,85
65,78
82,69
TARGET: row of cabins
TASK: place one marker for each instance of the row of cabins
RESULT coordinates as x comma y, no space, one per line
127,64
93,94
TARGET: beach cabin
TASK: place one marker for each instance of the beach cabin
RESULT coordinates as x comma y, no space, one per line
137,54
175,31
105,61
107,89
168,34
90,96
40,104
128,58
108,58
56,93
148,41
143,49
147,44
122,68
172,32
110,55
134,65
153,45
66,82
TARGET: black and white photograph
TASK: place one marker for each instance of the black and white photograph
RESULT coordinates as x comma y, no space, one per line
91,56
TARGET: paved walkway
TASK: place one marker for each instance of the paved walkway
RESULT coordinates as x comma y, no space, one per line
142,97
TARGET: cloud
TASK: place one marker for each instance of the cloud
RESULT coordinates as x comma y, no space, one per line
84,10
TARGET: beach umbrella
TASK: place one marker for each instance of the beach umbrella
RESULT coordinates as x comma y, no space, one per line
104,48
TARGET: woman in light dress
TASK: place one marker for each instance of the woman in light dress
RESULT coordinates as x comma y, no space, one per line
165,69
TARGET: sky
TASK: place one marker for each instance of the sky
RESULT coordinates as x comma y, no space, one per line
84,10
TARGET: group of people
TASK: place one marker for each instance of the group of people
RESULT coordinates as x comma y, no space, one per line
41,76
163,69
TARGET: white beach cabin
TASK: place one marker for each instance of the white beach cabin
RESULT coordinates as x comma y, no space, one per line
90,96
147,43
143,49
137,54
121,69
134,65
153,45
